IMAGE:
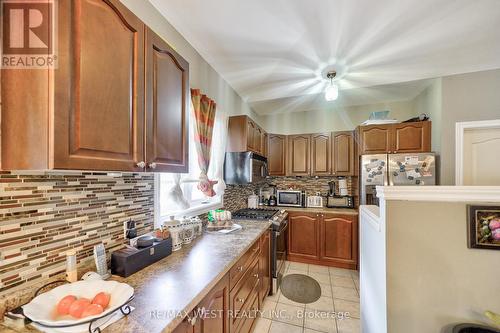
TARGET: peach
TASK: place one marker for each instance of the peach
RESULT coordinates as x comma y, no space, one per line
102,299
64,304
77,307
92,310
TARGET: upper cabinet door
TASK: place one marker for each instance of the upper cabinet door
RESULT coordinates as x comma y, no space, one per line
321,154
299,155
265,144
167,107
251,132
99,85
375,139
258,139
343,154
277,155
412,137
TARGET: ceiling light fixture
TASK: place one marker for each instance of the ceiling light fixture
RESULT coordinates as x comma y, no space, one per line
332,91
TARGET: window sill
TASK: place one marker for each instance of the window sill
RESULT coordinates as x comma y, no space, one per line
198,210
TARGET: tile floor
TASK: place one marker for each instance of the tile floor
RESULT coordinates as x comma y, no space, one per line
339,295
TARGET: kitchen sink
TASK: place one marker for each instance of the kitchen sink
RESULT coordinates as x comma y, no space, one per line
473,328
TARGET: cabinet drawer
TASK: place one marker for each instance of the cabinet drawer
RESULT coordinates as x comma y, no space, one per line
242,296
239,269
251,316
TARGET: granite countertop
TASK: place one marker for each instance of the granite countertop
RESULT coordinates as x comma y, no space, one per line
325,210
176,284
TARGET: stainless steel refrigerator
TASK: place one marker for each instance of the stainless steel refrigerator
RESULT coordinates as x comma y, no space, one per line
395,170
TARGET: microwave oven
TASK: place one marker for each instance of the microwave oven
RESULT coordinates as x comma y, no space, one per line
289,198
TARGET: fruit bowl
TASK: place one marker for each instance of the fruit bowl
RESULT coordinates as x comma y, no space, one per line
42,309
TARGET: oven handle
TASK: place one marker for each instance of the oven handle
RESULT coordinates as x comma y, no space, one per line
283,228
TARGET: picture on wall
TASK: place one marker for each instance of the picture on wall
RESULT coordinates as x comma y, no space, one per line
484,227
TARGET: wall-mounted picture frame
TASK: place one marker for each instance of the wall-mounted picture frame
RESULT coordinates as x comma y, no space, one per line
483,227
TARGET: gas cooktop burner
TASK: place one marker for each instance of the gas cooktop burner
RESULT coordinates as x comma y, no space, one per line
255,214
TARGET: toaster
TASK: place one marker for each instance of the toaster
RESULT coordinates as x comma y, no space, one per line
314,201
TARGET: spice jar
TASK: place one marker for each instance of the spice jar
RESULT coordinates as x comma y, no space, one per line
176,232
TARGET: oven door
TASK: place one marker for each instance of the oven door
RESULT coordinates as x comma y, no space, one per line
280,246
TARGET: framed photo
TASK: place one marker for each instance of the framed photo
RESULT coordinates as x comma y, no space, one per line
484,227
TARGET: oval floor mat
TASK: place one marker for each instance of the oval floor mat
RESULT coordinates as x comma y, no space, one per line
300,288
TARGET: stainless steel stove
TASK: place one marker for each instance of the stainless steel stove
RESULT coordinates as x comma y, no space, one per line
255,214
279,239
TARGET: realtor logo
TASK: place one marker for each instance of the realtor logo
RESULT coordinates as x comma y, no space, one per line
28,34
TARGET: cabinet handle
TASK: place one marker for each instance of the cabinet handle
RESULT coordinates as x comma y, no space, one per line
239,269
141,164
152,165
191,320
256,276
241,300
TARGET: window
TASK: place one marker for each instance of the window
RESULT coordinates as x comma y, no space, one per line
198,202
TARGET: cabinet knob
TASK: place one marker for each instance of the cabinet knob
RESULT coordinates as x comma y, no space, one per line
241,300
239,269
141,164
152,165
256,276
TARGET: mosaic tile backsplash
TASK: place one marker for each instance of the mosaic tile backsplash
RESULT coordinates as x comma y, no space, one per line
236,196
43,214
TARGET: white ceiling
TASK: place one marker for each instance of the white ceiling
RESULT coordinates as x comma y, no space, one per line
274,52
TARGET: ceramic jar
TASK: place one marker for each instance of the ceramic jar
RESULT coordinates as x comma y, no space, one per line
176,232
188,234
198,226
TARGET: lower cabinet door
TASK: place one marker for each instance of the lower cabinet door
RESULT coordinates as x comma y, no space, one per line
339,239
212,313
303,236
215,309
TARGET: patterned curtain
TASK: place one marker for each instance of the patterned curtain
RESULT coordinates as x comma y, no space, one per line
204,111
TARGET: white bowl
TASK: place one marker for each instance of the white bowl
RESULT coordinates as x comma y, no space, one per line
42,309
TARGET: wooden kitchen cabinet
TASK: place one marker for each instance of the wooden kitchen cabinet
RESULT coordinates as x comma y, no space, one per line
265,145
245,135
265,266
339,240
98,87
258,139
251,131
321,154
413,137
216,302
343,154
375,139
167,106
277,155
99,109
303,236
298,155
323,239
240,292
